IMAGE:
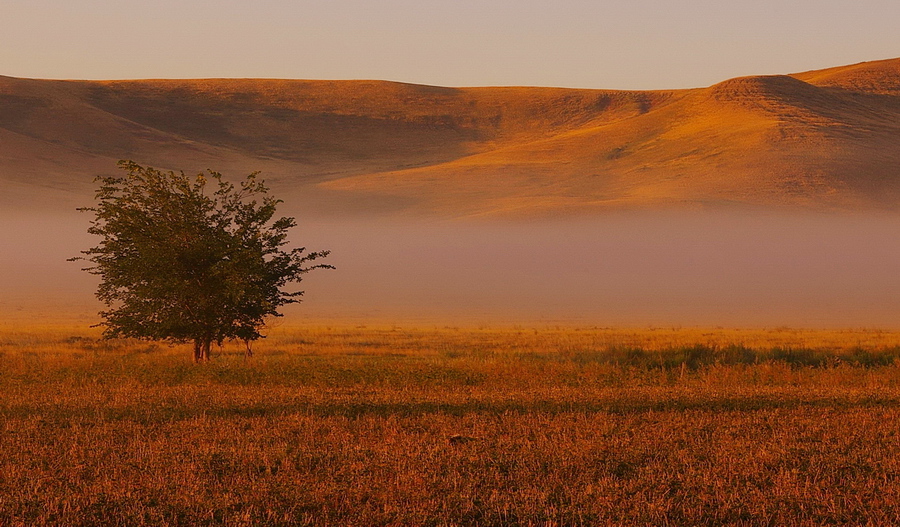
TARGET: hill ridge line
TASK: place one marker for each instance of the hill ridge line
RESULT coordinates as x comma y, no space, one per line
822,139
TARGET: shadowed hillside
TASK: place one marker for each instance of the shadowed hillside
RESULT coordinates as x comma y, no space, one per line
816,140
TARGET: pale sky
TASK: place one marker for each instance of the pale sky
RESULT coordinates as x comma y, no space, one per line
623,44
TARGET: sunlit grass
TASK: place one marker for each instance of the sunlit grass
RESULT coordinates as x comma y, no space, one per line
443,425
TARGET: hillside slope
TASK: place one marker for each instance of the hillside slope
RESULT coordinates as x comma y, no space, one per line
819,140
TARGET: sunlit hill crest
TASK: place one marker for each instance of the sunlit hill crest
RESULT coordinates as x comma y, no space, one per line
823,140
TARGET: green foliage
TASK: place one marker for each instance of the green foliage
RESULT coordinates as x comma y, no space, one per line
181,263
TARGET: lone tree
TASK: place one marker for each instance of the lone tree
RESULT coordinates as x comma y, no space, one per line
181,262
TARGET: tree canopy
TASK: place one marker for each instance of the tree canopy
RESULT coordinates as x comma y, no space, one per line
179,261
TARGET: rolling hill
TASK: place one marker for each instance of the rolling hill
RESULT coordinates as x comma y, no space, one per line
822,140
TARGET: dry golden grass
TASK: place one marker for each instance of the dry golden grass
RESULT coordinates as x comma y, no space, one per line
453,426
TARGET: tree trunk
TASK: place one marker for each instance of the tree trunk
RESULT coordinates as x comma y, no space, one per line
201,349
207,342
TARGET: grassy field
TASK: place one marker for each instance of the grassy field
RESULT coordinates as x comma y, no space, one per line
453,426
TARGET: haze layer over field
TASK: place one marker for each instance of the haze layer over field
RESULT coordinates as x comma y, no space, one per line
698,268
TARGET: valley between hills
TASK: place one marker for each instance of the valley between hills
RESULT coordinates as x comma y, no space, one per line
823,140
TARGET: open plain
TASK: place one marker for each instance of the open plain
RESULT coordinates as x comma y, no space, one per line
405,425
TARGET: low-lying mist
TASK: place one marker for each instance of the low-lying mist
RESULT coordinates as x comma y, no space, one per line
643,269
